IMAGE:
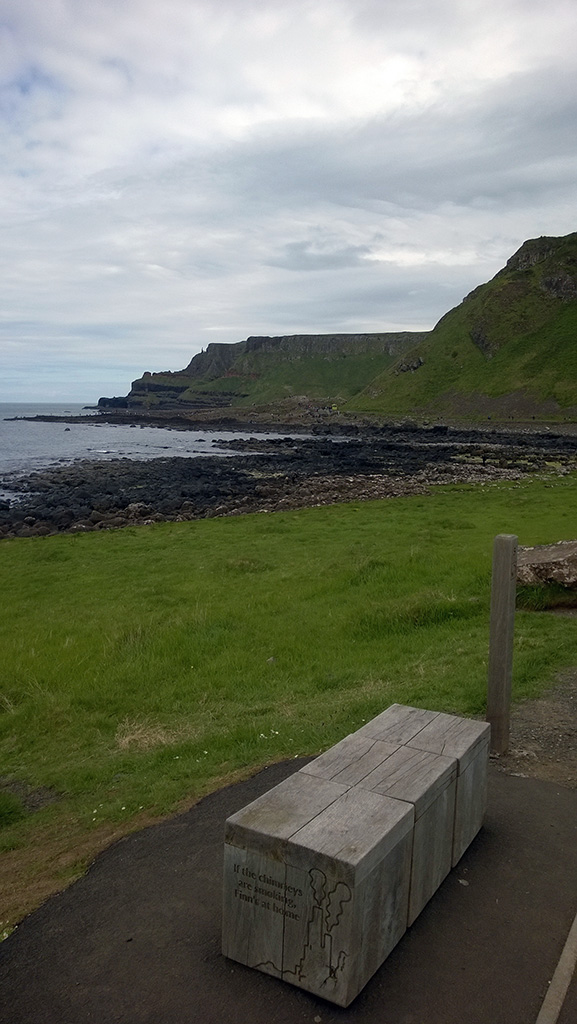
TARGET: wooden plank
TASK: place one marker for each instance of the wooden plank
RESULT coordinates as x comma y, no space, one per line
270,820
377,755
501,630
466,740
453,737
381,918
471,802
432,849
357,900
343,755
398,724
252,932
318,951
428,781
416,776
356,832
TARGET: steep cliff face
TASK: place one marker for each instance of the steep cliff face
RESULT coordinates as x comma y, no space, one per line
213,362
539,250
245,356
508,351
322,367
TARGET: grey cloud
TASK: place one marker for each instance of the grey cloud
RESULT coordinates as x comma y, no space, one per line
477,148
162,183
303,256
378,297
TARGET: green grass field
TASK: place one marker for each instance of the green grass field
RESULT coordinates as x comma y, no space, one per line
142,667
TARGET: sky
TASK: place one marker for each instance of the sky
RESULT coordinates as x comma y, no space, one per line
193,171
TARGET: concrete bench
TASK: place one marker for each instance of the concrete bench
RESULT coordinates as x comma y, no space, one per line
324,873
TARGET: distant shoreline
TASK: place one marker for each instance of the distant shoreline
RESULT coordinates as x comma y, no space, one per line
169,421
337,423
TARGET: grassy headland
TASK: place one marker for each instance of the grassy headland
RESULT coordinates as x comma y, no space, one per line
143,667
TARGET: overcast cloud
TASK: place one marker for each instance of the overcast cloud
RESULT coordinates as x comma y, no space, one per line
191,171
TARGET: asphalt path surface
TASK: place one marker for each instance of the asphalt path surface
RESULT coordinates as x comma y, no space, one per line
137,939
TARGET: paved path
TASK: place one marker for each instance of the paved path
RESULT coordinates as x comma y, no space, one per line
137,940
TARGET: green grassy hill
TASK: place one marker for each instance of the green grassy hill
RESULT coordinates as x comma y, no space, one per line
509,351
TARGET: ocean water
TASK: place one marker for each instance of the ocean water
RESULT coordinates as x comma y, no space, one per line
26,446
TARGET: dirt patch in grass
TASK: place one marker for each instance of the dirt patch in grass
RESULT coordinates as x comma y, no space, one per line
32,798
543,743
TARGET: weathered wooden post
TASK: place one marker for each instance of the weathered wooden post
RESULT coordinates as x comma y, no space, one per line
502,622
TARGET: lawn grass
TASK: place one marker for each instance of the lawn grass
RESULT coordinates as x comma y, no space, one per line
142,667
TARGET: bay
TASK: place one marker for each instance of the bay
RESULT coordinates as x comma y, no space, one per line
26,446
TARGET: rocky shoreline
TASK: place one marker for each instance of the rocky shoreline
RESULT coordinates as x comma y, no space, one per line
287,473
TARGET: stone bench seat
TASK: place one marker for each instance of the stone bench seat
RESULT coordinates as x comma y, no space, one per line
324,873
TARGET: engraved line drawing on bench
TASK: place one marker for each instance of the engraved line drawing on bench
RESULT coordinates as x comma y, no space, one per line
319,954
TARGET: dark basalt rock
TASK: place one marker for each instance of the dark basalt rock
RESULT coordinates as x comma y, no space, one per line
288,473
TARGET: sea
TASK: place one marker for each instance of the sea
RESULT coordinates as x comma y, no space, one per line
27,446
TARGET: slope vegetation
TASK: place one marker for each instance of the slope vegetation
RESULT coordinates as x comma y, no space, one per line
261,370
508,351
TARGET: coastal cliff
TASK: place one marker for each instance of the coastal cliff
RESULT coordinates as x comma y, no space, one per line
508,351
325,368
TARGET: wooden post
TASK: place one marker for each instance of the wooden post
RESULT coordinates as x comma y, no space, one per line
503,592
